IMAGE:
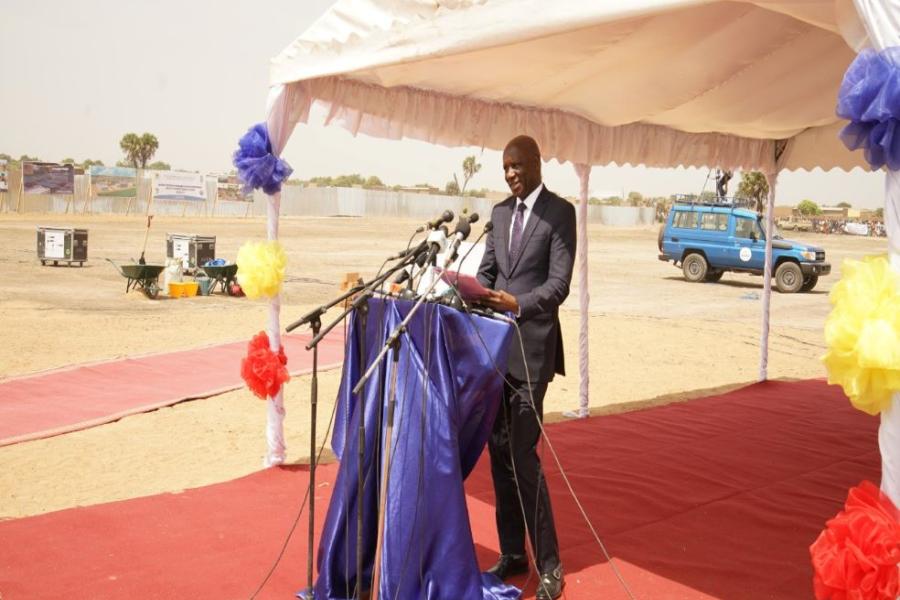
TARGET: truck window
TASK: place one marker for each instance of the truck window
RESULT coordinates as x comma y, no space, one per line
685,219
714,222
744,227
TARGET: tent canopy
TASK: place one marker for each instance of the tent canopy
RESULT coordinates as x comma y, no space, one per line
662,83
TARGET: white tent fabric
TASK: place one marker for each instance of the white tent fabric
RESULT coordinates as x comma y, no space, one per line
739,84
659,83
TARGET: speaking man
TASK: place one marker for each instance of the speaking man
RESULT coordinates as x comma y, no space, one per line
527,265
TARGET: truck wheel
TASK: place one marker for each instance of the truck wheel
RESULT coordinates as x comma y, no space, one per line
713,275
788,277
659,240
694,267
809,283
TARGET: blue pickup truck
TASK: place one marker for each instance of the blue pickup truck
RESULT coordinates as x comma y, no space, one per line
707,240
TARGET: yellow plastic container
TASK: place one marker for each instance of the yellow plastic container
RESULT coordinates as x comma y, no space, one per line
189,288
176,289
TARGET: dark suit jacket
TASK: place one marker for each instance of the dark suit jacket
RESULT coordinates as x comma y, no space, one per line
539,280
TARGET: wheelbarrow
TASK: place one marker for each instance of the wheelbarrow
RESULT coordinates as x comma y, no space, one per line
221,275
143,277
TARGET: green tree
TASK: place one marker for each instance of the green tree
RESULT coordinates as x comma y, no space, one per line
160,166
708,196
879,212
754,187
452,187
67,161
373,182
26,158
844,205
635,198
138,149
88,163
808,208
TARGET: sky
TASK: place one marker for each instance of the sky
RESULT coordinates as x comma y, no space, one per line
79,75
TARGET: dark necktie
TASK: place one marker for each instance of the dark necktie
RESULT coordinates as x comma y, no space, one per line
515,244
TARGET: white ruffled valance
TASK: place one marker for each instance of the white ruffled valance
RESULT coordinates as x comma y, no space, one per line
434,117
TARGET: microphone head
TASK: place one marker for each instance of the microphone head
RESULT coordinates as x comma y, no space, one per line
463,227
473,218
488,227
447,216
401,276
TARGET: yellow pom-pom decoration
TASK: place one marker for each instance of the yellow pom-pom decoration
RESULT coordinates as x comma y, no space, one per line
863,333
261,268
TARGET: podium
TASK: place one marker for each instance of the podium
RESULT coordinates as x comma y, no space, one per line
448,392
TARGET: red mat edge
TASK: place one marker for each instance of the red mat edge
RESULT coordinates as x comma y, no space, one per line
48,433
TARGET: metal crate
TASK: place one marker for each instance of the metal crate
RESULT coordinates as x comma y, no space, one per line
62,245
193,250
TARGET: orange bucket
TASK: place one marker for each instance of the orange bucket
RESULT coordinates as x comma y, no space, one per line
176,289
189,288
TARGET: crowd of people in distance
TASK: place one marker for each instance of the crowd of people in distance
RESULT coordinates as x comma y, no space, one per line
875,228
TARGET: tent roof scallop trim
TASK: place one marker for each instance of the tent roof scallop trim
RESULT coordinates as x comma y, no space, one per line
660,83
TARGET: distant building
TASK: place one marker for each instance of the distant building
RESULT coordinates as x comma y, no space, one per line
833,213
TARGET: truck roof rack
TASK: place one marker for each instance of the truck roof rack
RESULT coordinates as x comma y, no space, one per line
718,201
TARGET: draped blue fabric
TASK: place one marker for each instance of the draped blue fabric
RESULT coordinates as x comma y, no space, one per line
870,98
448,393
256,165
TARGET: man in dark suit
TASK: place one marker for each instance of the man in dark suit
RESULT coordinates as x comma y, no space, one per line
527,264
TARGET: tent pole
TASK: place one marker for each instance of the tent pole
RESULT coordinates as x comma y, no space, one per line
772,179
584,298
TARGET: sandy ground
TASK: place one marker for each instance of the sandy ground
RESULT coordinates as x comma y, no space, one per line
654,338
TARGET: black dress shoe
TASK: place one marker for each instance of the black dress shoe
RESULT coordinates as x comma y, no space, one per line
508,565
550,586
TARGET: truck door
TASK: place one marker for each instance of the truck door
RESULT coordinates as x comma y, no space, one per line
748,249
713,237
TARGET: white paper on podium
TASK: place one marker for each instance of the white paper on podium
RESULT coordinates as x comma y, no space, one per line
467,267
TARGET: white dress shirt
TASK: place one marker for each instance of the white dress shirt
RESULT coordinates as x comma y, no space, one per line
529,201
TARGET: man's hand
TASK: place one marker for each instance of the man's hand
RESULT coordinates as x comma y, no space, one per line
502,301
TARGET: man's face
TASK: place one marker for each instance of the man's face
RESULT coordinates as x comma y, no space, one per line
522,171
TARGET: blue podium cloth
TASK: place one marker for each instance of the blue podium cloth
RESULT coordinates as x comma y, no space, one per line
448,393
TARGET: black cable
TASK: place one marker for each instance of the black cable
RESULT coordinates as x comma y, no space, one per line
546,439
299,512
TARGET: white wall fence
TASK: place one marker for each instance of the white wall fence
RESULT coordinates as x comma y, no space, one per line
295,201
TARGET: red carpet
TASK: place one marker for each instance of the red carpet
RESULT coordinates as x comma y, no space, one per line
55,402
714,498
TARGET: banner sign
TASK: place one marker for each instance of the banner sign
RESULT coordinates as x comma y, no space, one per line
48,178
179,185
114,181
228,187
4,176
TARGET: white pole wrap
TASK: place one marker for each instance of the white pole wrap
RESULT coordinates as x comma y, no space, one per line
889,430
584,297
277,451
772,178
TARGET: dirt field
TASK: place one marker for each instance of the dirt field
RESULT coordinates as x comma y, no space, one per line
654,338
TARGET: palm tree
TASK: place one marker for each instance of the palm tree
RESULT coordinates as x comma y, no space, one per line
470,167
139,149
753,186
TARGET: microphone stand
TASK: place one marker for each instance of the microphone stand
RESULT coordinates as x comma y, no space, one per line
393,345
314,318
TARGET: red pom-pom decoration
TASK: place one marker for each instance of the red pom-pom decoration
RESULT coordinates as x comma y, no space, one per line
856,557
263,370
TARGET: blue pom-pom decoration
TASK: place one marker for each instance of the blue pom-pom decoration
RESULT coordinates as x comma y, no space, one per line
870,99
257,167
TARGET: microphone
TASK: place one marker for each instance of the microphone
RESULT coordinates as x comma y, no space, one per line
432,225
401,277
463,227
438,238
445,217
